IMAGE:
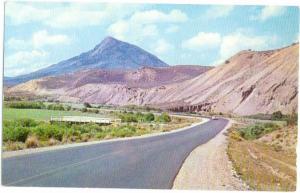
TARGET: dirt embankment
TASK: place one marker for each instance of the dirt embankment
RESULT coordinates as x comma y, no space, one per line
208,168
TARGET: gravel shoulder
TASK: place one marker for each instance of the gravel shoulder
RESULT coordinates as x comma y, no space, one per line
208,168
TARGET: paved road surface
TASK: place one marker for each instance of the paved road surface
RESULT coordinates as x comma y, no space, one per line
139,163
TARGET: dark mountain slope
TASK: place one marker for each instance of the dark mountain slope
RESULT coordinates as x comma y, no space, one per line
109,54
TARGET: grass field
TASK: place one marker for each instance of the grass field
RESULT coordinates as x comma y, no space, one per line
30,128
42,114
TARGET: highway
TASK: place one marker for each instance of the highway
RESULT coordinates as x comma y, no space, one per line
148,163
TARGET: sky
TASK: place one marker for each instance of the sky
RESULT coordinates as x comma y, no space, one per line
41,34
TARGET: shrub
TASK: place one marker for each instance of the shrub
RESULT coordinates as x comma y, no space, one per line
96,111
87,105
277,115
164,118
84,110
26,122
257,131
15,134
57,107
13,146
32,142
100,135
128,117
25,105
149,117
292,119
52,142
124,131
85,137
46,131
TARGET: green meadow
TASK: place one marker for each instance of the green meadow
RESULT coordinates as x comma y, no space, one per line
41,114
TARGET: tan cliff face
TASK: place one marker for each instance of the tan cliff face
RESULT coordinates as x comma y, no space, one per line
250,82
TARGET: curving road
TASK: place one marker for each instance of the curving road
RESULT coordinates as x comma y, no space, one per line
151,162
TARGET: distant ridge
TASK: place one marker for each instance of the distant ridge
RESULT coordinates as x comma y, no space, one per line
109,54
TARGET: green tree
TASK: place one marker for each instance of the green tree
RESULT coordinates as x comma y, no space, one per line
277,115
149,117
87,105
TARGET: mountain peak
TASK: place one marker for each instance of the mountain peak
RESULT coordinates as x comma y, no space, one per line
109,39
111,53
107,42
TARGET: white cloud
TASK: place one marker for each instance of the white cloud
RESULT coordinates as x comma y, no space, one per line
233,43
38,40
155,16
73,15
29,55
24,62
162,46
218,11
229,44
119,29
21,13
132,32
17,44
269,11
43,38
203,41
143,24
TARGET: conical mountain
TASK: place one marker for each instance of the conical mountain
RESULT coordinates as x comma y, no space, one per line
109,54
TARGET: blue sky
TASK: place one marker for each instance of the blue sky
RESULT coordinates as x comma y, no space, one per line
40,34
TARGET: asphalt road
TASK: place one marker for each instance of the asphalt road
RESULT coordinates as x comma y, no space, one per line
151,162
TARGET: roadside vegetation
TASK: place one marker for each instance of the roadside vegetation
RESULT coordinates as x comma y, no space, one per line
27,124
290,119
143,117
264,154
27,133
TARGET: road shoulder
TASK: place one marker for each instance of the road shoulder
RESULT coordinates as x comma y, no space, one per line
208,168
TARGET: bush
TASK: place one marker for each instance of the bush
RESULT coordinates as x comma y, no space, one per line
149,117
15,134
84,110
87,105
128,117
25,105
32,142
96,111
68,108
277,115
124,131
52,142
164,118
26,122
46,131
257,131
57,107
292,119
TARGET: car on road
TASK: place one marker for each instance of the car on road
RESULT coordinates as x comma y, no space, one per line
214,118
